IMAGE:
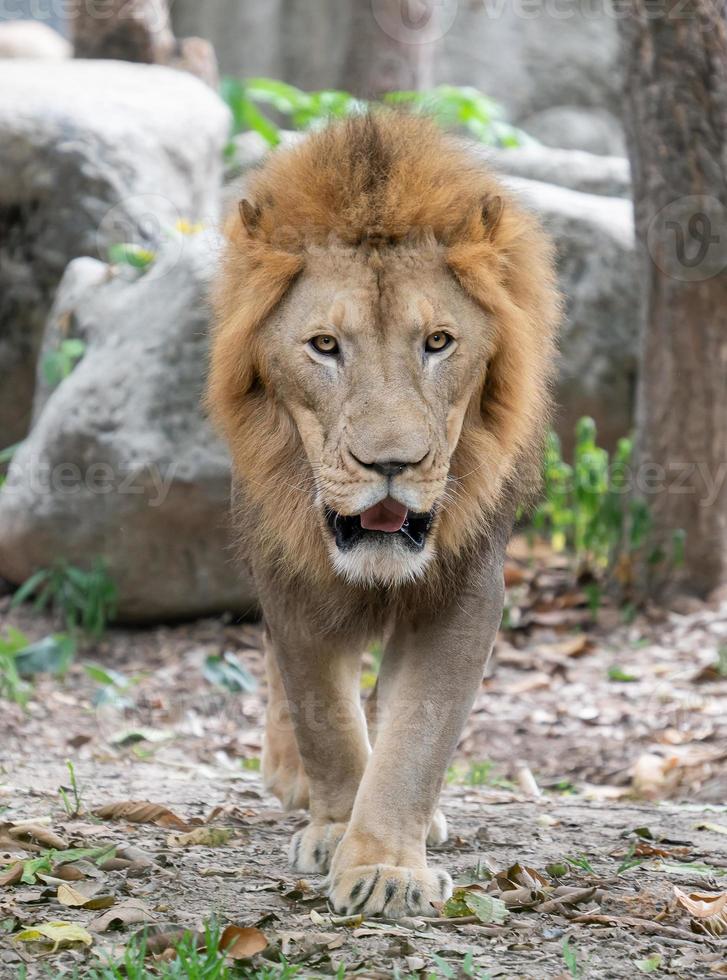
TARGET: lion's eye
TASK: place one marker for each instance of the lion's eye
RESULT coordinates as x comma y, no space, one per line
439,340
324,344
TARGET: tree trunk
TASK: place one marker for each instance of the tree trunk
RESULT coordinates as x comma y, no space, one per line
391,46
127,30
676,120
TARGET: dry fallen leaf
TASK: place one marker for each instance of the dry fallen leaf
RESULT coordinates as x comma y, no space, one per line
141,811
708,910
716,828
12,875
39,834
242,942
125,914
201,837
74,898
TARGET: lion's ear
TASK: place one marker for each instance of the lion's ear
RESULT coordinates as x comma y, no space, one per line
492,208
249,215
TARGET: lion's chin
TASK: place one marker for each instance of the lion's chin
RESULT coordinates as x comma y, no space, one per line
381,560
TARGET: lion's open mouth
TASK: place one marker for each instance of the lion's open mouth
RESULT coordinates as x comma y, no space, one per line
381,521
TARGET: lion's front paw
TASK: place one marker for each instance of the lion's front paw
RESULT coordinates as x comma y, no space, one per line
387,889
283,773
311,849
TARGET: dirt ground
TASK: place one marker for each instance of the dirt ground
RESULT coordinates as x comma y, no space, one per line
595,761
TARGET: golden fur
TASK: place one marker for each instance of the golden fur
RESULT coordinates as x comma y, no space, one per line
378,182
376,232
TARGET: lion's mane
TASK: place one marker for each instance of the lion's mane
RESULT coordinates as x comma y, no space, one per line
377,182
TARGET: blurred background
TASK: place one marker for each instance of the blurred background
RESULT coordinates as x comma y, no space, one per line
126,129
130,649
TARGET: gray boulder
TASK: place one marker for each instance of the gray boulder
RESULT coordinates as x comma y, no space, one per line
586,172
91,154
32,39
598,273
578,128
121,463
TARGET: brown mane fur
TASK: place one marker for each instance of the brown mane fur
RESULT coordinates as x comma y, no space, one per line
378,182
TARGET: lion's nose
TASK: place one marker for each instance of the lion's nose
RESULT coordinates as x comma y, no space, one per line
388,467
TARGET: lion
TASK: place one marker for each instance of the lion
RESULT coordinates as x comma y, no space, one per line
381,362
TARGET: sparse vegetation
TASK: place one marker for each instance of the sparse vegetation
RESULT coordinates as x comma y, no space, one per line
85,599
21,659
589,510
59,363
195,957
460,108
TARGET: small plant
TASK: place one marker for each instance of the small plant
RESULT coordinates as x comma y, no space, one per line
196,957
570,958
483,773
71,797
21,659
451,106
12,686
587,510
85,599
114,688
58,364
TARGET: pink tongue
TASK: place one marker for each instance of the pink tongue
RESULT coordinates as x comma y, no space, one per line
387,515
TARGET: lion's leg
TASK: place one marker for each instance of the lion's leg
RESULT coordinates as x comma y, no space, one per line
321,684
437,833
282,766
428,682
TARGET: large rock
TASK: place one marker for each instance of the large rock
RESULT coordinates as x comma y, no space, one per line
599,276
91,153
578,128
121,463
580,171
32,39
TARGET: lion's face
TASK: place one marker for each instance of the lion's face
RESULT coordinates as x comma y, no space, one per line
376,360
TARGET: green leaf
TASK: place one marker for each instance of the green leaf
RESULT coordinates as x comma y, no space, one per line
106,676
34,865
466,901
617,673
570,959
487,908
7,454
57,933
581,862
226,671
649,965
30,586
51,655
125,253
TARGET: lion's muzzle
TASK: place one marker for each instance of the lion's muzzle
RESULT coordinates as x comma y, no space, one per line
350,531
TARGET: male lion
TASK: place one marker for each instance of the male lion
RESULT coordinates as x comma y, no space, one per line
380,368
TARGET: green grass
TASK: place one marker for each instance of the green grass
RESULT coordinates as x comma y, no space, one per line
197,958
